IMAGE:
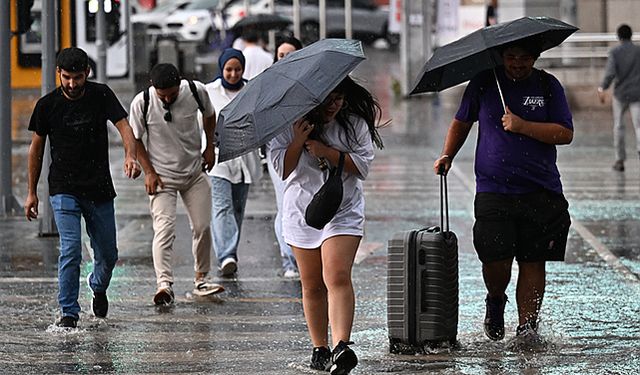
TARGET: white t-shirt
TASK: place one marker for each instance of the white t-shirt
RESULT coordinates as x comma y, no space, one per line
173,147
243,169
307,178
256,61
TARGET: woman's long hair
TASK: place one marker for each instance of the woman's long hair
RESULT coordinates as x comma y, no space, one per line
357,101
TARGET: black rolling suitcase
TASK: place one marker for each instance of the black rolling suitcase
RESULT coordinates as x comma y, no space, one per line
422,285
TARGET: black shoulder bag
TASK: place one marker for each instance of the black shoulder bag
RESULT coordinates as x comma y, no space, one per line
326,201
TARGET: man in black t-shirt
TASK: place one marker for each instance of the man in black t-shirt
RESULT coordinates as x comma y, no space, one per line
74,116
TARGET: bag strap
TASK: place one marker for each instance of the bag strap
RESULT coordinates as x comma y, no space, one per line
194,91
145,109
340,164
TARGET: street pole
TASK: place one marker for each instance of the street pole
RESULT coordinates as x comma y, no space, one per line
405,66
272,33
296,19
322,17
101,43
8,204
427,28
47,224
130,46
348,20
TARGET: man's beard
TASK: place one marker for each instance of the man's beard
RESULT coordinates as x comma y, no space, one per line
77,92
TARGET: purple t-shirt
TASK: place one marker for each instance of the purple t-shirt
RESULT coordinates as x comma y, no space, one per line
506,162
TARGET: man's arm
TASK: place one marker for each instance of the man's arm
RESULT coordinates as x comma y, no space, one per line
609,76
456,136
131,168
36,152
546,132
151,179
209,124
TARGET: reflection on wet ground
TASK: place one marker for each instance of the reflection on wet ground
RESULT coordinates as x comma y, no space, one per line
589,317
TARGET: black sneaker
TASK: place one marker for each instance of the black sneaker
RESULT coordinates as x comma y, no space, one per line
67,322
494,317
343,359
99,303
528,338
164,295
321,358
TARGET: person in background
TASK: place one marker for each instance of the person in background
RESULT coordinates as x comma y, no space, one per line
623,67
74,117
345,126
284,46
257,59
230,179
520,210
167,112
492,13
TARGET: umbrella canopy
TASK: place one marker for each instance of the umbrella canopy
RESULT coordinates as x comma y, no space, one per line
261,22
461,60
283,93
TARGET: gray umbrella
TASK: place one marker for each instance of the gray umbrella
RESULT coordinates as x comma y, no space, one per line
461,60
284,93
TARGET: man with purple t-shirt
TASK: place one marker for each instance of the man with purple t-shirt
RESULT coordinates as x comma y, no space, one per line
520,210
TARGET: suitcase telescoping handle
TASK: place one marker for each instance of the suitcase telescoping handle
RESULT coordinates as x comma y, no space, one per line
444,199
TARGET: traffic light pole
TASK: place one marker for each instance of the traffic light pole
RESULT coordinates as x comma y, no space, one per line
8,204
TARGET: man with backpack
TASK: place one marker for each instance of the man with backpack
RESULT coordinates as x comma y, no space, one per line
520,210
164,118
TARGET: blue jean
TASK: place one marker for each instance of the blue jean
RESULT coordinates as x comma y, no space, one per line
101,228
288,260
228,203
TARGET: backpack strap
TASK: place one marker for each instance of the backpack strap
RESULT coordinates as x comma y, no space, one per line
194,91
145,109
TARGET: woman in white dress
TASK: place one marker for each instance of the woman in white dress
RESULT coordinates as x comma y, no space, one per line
344,123
230,179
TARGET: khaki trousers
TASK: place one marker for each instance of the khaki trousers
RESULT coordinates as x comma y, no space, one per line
195,192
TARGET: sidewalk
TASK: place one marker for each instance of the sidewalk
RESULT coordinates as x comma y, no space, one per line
590,313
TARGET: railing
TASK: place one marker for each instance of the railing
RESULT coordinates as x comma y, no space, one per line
581,46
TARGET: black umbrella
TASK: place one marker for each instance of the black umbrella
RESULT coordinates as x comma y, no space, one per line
261,22
461,60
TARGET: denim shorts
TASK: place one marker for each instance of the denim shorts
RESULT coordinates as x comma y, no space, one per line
531,227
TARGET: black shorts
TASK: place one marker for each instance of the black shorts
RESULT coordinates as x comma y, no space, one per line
531,227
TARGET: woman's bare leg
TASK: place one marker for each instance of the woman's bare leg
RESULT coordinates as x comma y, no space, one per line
314,294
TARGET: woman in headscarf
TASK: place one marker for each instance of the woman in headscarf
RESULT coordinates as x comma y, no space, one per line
230,180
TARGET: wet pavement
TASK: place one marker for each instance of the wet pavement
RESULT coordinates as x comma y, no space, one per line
589,317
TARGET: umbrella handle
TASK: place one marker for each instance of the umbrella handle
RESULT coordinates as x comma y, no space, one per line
504,106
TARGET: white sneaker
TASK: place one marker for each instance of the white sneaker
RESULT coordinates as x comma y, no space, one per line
291,274
228,267
205,287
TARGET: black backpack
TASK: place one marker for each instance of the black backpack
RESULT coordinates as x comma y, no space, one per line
145,95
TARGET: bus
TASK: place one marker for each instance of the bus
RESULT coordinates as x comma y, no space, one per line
75,25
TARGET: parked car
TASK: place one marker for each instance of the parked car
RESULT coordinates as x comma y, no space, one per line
197,22
369,20
155,19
